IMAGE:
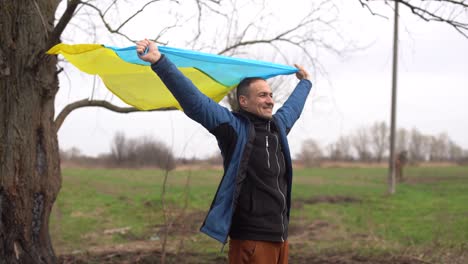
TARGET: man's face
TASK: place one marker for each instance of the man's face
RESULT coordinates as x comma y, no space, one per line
259,100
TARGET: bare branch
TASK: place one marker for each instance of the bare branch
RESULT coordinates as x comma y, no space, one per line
200,5
199,21
162,32
109,7
54,38
136,13
106,24
58,71
308,35
117,30
250,42
300,31
370,9
99,103
437,14
212,9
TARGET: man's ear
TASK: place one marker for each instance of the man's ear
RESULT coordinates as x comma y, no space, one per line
242,101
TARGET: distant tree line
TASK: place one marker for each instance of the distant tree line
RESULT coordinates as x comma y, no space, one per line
366,144
127,152
371,144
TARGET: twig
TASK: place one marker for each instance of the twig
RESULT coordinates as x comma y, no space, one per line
117,30
437,15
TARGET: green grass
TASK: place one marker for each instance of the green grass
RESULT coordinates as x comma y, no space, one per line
428,211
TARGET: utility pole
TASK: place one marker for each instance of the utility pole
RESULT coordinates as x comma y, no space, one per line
391,162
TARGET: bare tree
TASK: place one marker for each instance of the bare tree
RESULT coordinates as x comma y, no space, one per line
311,153
402,140
361,144
140,152
29,154
70,154
118,147
379,134
455,152
450,12
439,147
265,36
340,150
332,152
464,158
152,152
417,146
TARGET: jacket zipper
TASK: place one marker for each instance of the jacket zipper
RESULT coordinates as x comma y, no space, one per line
267,152
277,177
266,145
279,189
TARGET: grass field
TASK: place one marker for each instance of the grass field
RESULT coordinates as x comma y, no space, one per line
334,210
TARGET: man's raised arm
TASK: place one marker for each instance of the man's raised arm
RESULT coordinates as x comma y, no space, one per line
195,104
292,108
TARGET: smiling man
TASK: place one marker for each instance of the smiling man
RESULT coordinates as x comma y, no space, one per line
253,200
254,95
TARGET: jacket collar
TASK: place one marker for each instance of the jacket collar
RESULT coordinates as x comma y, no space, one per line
254,118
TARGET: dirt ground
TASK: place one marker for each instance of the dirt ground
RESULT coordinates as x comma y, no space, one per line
144,257
146,251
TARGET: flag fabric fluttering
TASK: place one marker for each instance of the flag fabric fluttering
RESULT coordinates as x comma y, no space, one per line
133,81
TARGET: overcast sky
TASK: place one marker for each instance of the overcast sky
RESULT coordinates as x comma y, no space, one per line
354,92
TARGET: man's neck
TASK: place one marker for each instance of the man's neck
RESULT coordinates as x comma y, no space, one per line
252,116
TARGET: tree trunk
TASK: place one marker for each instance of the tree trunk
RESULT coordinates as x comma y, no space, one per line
29,161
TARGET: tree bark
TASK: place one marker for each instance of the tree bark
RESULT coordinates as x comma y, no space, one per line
29,161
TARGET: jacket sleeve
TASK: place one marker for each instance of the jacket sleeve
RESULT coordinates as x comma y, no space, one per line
292,108
195,104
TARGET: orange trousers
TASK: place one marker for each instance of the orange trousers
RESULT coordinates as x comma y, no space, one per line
257,252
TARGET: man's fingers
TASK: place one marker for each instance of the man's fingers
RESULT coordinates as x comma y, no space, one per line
301,73
143,46
140,46
147,51
299,67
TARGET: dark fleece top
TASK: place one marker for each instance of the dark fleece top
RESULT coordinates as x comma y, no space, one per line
261,212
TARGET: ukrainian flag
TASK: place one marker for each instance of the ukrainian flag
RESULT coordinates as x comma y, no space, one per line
133,81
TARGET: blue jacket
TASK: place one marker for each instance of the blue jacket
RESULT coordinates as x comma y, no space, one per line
235,135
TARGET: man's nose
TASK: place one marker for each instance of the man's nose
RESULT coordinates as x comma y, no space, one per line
270,100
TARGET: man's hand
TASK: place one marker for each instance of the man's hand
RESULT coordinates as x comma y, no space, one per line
152,55
301,74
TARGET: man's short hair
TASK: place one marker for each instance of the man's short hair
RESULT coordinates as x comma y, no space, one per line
243,86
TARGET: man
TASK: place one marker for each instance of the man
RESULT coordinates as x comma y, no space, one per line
252,202
400,163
